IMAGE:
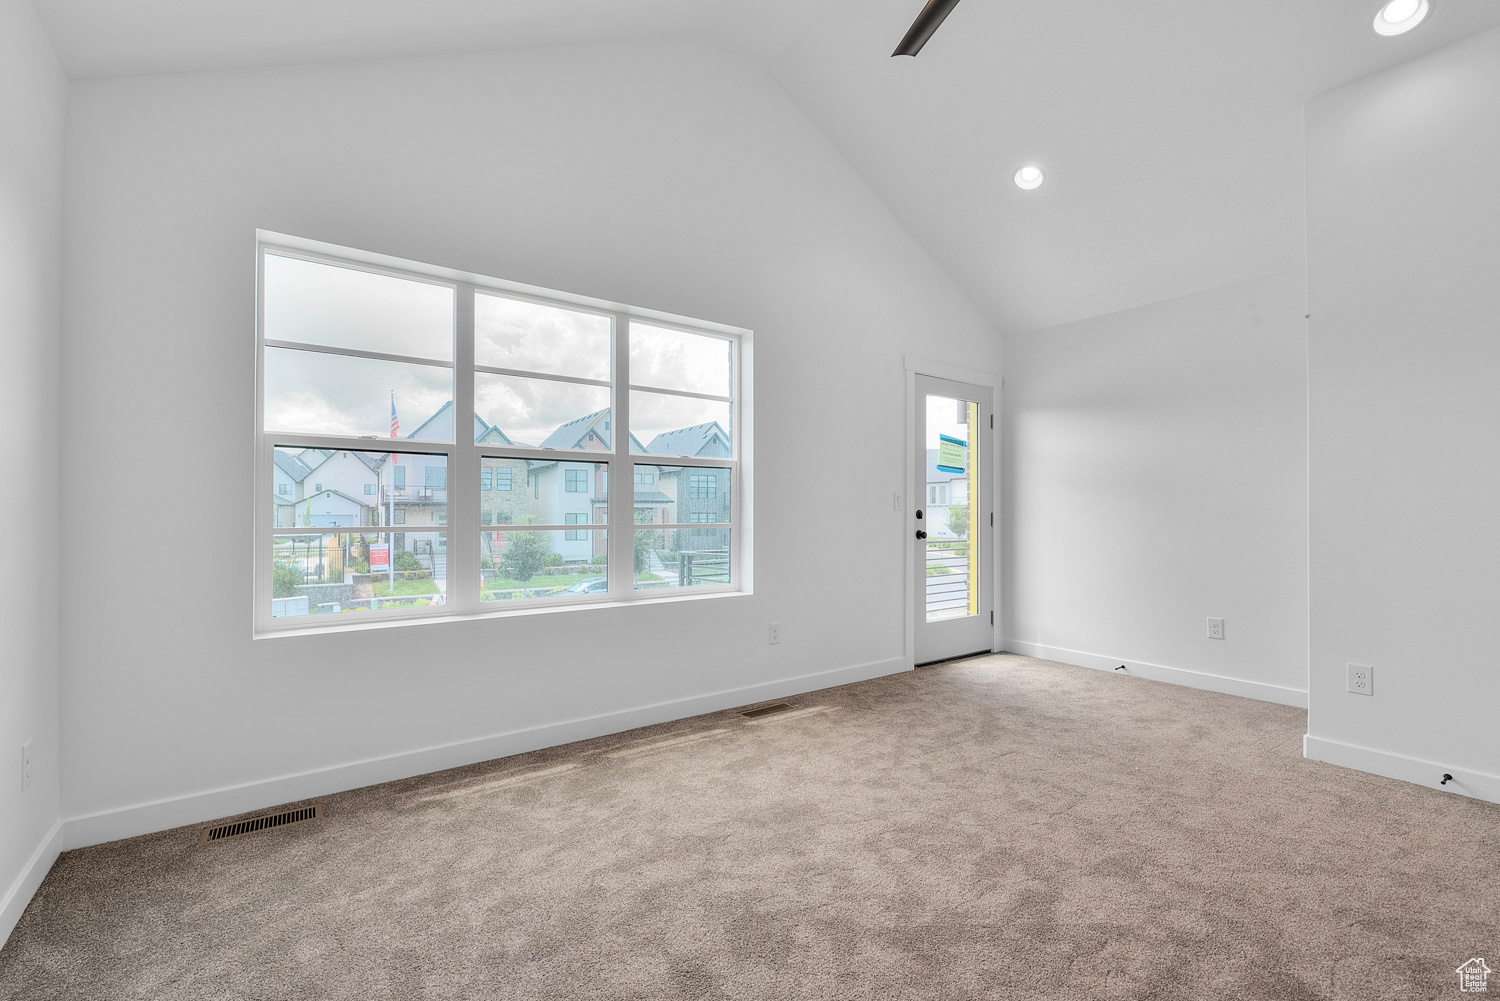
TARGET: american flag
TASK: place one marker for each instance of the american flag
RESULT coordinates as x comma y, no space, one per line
395,427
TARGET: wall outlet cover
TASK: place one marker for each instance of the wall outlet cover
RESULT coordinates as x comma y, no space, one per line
1215,629
776,632
1361,679
26,766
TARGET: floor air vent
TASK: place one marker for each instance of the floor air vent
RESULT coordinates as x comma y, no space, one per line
239,828
779,707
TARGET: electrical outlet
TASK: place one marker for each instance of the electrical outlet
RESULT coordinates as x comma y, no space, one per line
896,501
776,632
1215,629
26,766
1361,679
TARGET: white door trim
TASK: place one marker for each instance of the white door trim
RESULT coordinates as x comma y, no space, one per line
940,370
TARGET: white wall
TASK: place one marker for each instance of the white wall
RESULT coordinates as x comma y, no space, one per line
1155,475
667,174
1404,291
33,96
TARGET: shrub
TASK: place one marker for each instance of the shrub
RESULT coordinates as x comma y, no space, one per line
284,579
407,561
599,561
554,559
525,554
358,566
485,563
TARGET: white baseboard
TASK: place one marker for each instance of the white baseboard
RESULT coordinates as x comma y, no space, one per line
1159,672
1478,785
20,892
195,808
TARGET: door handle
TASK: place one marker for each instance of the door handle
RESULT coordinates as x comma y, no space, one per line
921,534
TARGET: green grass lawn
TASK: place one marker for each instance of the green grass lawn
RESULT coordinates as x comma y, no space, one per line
403,587
558,580
544,583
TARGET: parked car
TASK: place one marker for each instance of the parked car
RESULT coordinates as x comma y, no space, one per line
589,585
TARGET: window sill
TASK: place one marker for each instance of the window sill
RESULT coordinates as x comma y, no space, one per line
508,613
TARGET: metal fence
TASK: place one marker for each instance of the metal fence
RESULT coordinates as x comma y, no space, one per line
947,579
702,566
314,560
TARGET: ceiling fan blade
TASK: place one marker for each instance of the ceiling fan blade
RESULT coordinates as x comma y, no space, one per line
922,28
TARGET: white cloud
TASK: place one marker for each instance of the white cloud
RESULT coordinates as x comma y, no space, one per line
671,359
511,333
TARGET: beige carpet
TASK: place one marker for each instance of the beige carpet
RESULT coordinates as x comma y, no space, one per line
996,828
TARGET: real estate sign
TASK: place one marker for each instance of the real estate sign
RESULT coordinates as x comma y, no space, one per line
953,454
380,557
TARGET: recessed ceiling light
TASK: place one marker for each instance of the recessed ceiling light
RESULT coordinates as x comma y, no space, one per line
1031,176
1400,16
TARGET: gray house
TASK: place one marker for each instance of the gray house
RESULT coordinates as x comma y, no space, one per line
701,496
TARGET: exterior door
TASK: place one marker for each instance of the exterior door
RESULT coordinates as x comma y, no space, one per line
951,521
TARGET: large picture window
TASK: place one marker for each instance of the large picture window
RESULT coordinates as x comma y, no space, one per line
373,372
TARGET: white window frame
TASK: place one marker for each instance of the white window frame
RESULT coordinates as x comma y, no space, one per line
464,457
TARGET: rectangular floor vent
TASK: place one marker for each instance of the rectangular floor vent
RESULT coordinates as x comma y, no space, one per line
779,707
239,828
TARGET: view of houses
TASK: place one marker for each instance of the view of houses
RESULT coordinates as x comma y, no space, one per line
946,491
345,490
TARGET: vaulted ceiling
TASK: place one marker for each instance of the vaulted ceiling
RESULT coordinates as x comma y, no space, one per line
1171,132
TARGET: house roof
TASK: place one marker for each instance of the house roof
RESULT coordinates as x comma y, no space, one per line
291,465
700,439
573,432
481,427
652,497
490,434
435,415
336,493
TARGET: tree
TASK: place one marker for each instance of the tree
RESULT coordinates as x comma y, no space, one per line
645,542
958,520
524,556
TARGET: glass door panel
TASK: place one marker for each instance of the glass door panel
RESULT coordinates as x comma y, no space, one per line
952,521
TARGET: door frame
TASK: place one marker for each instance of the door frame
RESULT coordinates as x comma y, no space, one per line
990,481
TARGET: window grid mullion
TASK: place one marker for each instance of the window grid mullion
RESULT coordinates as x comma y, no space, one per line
621,483
463,474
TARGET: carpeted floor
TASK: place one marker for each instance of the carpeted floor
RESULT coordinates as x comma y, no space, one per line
996,828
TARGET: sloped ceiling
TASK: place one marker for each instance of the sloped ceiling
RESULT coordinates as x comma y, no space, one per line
1171,132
